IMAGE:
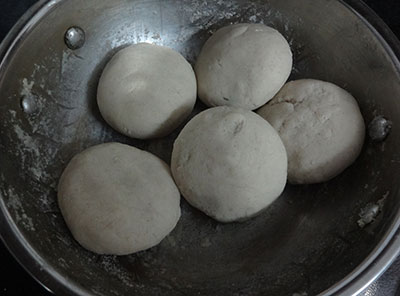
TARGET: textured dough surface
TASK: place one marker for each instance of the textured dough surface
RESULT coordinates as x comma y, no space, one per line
146,91
229,163
321,126
118,200
243,65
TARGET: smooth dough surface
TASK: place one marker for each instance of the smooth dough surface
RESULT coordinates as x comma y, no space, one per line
229,163
146,91
321,126
118,200
243,65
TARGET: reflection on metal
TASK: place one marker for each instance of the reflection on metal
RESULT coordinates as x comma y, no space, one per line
379,129
74,38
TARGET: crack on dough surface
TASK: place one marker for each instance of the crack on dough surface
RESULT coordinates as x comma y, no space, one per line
321,126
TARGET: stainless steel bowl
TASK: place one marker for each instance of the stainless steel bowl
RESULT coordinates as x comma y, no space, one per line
309,242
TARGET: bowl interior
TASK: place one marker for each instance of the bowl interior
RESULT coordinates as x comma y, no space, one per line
308,240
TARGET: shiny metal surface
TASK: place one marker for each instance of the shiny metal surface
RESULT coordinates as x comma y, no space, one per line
74,38
379,129
308,242
387,285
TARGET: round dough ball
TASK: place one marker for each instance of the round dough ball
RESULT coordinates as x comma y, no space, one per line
229,163
243,65
321,126
146,91
118,200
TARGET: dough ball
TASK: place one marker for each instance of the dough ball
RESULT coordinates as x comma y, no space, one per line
229,163
146,91
321,126
243,65
118,200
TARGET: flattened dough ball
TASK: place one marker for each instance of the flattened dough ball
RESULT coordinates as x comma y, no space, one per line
146,91
321,126
243,65
118,200
229,163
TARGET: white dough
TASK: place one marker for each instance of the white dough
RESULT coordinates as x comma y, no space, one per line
118,200
243,65
229,163
146,91
321,126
